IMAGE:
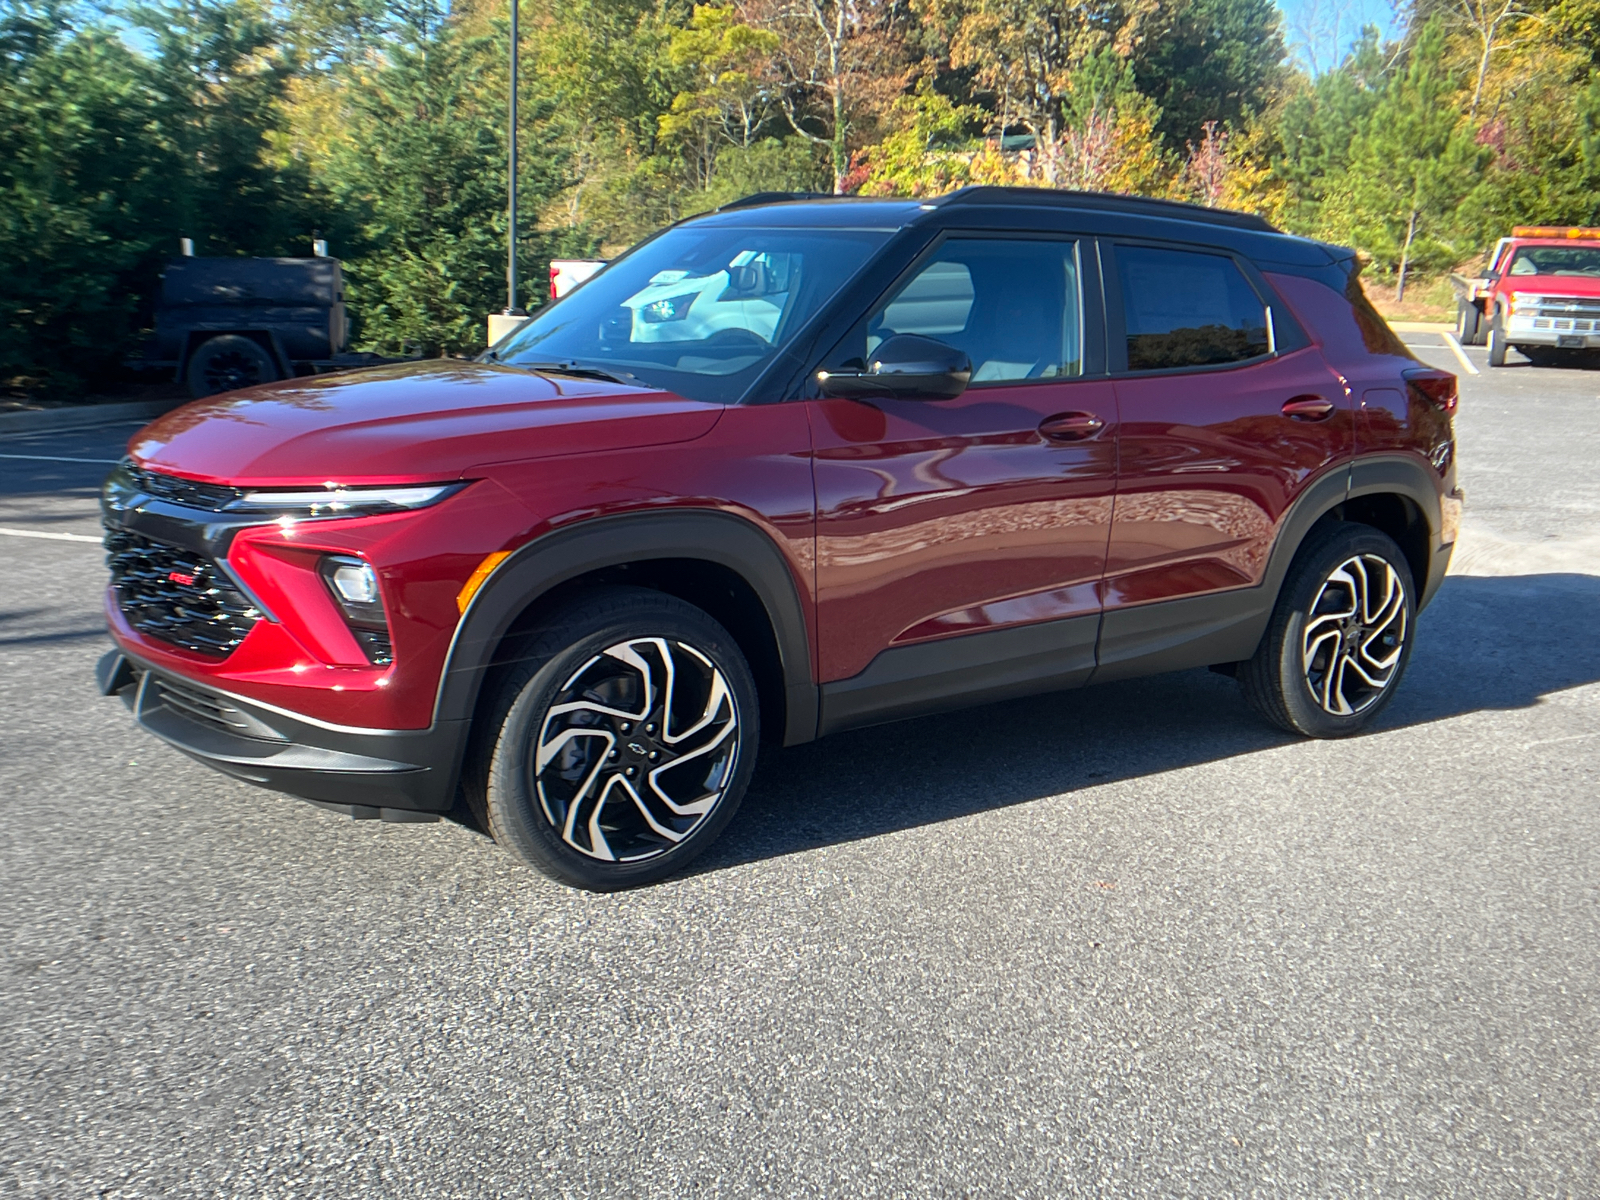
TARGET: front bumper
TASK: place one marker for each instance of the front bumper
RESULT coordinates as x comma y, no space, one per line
388,774
1574,333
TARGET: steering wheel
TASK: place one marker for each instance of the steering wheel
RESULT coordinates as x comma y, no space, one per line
737,339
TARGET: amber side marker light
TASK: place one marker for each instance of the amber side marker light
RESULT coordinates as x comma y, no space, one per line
469,589
1438,388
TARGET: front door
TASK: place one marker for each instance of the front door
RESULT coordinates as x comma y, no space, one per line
939,520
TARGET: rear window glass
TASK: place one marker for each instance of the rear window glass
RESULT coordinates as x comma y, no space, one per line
1186,309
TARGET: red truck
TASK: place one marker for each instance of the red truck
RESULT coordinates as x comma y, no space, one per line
1539,293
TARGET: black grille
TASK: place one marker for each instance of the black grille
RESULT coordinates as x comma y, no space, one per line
204,707
176,595
212,497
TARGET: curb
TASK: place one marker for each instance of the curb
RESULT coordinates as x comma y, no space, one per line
1422,327
85,416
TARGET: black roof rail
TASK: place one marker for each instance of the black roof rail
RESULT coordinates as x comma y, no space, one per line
1175,210
756,198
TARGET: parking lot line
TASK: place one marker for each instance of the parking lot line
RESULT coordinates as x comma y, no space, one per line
50,535
58,458
1455,348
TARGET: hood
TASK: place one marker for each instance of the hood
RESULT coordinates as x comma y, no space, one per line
411,422
1551,285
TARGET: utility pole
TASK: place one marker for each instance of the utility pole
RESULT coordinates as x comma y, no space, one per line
513,309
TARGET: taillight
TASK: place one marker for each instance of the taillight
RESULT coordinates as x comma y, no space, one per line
553,275
1437,388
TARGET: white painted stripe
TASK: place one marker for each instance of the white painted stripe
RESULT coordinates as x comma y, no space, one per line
58,458
1455,348
51,536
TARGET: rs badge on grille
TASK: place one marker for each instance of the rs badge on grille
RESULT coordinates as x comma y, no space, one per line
180,577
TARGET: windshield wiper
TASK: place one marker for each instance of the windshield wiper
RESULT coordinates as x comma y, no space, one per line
577,370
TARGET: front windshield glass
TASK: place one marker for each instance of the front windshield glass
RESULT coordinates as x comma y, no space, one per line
699,310
1557,260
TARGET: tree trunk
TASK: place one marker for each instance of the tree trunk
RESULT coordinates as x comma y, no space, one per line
840,158
1483,71
1405,258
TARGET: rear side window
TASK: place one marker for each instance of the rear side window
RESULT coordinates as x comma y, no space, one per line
1186,309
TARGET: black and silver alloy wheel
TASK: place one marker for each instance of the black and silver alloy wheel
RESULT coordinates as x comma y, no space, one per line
624,733
1355,634
1339,637
638,748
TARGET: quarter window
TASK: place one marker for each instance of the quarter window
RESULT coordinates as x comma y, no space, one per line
1185,309
1011,305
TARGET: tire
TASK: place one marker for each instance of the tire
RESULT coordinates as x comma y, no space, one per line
1497,343
658,682
227,363
1469,323
1357,657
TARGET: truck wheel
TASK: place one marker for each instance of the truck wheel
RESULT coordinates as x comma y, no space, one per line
1497,343
622,741
1340,635
1469,323
228,362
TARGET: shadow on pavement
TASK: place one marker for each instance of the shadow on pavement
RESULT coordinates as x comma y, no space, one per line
1485,643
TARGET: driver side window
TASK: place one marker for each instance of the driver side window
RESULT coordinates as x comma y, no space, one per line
1012,305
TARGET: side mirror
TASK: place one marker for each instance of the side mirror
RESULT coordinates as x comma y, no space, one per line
907,367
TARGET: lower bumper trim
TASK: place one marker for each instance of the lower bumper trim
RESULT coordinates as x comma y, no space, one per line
396,776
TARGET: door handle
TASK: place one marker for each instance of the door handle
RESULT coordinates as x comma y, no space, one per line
1071,427
1308,408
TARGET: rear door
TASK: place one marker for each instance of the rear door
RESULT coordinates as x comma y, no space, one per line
1226,413
940,519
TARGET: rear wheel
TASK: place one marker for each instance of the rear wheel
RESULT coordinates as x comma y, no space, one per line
226,363
624,741
1469,323
1340,636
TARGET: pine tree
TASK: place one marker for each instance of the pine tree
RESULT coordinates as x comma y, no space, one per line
1411,165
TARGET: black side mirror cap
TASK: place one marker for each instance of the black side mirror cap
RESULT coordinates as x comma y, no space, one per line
905,366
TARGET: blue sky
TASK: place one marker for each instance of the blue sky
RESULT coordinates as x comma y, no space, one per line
1319,32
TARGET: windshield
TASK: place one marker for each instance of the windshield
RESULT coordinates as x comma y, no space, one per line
699,310
1557,260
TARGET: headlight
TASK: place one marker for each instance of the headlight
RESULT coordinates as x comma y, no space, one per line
342,502
674,309
1523,302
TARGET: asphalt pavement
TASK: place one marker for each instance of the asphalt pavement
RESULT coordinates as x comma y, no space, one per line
1127,941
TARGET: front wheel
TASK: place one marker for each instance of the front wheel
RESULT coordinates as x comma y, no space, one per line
625,740
1340,636
1497,343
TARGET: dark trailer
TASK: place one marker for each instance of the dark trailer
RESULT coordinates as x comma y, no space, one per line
226,323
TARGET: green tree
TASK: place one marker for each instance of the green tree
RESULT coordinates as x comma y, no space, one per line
1209,60
1313,128
726,102
1411,166
76,194
422,160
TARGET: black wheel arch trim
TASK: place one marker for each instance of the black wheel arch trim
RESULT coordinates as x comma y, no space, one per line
542,565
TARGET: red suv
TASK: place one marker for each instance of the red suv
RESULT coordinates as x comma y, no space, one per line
789,468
